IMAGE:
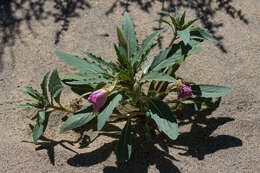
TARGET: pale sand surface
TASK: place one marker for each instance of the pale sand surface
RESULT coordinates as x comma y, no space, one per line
226,141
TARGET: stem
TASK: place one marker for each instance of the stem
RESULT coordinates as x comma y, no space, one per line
83,95
173,39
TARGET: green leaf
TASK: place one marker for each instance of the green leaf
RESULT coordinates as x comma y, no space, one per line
121,57
159,58
105,114
184,35
210,91
40,126
182,21
167,22
27,105
172,59
78,63
146,44
174,21
77,120
156,76
88,81
75,77
124,75
44,85
189,24
163,117
121,38
194,50
200,33
124,148
32,93
99,60
130,36
55,86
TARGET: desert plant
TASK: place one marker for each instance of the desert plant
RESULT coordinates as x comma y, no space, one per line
132,82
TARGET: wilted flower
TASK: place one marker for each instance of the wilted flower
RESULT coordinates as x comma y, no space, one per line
98,98
76,104
184,91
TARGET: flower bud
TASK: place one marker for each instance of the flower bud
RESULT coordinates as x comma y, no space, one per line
98,98
184,91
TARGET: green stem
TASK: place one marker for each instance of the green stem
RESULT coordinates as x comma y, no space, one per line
173,39
83,95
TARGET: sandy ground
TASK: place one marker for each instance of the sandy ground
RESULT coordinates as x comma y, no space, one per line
226,140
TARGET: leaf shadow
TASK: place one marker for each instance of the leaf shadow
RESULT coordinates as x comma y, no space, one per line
198,142
142,158
205,11
15,13
49,145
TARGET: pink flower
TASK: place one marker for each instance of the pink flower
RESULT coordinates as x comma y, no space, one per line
98,99
184,91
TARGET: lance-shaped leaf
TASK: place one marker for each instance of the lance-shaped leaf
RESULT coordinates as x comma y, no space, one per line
182,20
163,117
172,59
156,76
106,113
78,63
32,93
189,24
174,21
146,45
88,81
121,38
210,91
99,60
124,148
167,22
40,126
78,119
55,86
130,36
28,105
194,50
159,58
44,85
121,56
200,33
75,77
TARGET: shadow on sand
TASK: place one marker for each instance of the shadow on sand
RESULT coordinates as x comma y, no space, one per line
14,13
198,142
205,10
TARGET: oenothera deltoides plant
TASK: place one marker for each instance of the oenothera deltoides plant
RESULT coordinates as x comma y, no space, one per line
133,83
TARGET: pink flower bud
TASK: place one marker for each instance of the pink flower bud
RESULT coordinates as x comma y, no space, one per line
184,91
98,99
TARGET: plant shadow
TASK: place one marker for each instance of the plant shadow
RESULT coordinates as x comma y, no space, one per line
198,142
17,12
49,145
142,157
205,11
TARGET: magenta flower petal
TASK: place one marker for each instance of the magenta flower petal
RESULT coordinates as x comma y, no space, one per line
184,91
98,99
